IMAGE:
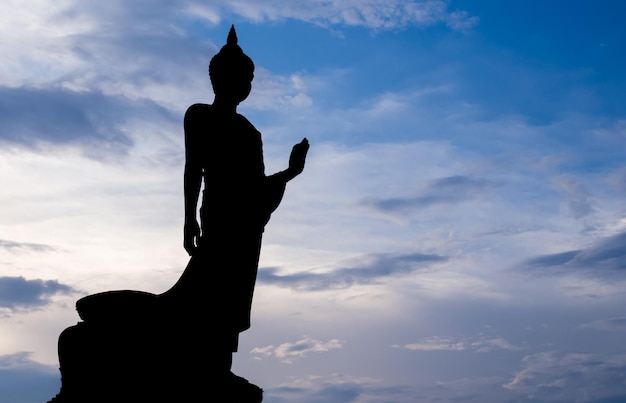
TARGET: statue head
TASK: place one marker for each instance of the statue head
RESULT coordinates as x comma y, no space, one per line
231,71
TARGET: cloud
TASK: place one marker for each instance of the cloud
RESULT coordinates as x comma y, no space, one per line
30,115
374,14
617,130
25,246
76,17
605,257
277,93
324,393
610,324
579,200
17,293
288,352
449,190
554,259
374,269
480,344
75,36
338,387
571,377
23,380
345,392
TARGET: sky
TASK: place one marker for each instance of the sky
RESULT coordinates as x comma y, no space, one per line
458,233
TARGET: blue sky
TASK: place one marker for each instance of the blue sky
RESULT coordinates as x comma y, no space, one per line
458,233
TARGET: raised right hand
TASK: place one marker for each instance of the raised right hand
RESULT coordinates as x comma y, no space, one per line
298,157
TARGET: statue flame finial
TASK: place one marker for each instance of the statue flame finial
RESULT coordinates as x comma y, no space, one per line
232,36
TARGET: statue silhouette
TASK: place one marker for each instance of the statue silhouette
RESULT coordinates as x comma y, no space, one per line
135,346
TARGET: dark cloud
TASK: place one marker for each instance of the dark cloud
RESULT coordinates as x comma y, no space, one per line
609,324
347,392
449,190
570,377
340,392
374,269
58,115
555,259
25,246
343,390
30,116
606,256
507,230
23,380
17,293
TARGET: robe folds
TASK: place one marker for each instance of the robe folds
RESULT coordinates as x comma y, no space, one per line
236,204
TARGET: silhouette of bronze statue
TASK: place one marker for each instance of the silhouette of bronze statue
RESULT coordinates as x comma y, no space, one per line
136,346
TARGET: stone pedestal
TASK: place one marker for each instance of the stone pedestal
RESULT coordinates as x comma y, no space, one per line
134,346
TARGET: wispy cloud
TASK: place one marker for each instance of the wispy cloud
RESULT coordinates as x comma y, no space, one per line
288,352
570,376
374,269
342,392
609,324
479,344
604,257
579,199
274,92
18,360
13,246
374,14
338,387
448,190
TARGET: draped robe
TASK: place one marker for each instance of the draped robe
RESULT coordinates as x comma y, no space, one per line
236,204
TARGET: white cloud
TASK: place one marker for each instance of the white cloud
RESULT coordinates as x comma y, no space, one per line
436,343
288,352
480,344
278,93
375,14
461,20
78,43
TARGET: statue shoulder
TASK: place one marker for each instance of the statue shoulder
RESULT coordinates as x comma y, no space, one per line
197,110
249,126
197,119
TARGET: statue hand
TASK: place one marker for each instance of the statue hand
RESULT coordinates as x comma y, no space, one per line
191,235
298,157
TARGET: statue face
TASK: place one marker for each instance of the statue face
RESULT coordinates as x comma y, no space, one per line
242,89
233,88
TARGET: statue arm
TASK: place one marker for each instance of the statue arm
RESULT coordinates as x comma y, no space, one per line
275,184
297,160
191,182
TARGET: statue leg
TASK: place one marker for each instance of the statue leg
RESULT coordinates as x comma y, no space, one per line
76,365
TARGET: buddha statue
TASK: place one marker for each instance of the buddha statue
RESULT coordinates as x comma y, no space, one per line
151,344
